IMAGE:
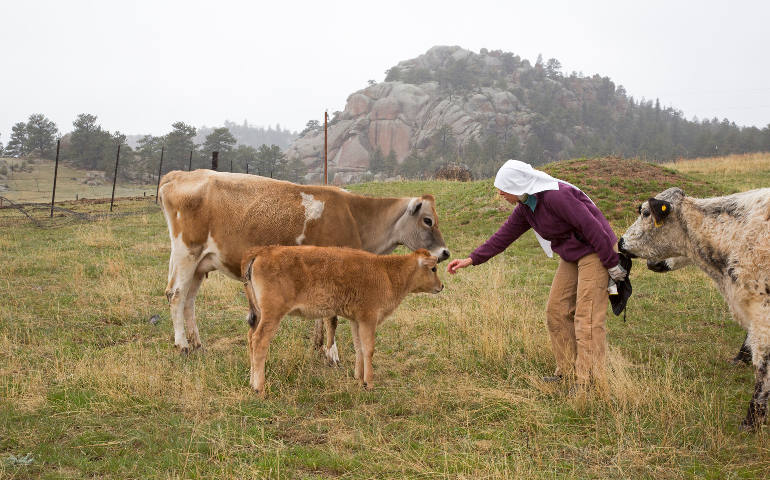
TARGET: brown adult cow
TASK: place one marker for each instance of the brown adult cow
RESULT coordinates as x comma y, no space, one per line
214,217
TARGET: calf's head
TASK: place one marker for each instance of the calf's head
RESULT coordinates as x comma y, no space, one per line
418,227
426,277
657,232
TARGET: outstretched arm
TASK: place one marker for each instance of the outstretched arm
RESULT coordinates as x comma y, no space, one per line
505,235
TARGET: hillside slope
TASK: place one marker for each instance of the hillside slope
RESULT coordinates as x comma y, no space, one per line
617,186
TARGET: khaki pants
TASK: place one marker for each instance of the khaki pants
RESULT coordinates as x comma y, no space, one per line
576,314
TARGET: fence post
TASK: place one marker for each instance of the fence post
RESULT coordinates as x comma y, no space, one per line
231,165
115,178
189,166
247,167
215,161
160,170
55,172
326,118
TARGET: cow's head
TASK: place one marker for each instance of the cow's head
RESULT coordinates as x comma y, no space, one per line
657,233
418,227
426,278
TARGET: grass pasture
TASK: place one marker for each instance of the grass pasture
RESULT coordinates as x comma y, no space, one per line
733,173
91,389
36,184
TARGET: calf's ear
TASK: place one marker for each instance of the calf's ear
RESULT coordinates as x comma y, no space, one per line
425,258
660,210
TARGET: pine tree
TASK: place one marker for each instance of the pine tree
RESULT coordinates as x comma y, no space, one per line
220,140
391,163
179,143
376,161
41,135
18,143
271,162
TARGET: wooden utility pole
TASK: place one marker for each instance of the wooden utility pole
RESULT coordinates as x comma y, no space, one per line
189,166
160,170
55,172
215,161
326,162
115,178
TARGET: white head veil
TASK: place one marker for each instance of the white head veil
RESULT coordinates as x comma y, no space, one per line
518,178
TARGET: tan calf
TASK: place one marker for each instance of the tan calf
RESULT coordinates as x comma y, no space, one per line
318,282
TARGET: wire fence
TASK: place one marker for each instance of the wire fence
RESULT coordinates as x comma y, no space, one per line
37,214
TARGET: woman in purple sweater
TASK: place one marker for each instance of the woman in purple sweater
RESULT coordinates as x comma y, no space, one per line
567,222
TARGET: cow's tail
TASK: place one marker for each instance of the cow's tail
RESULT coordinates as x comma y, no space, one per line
251,318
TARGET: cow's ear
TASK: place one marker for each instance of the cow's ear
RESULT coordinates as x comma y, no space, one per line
660,210
414,206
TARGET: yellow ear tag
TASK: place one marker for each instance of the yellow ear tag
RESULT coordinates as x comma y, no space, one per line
663,208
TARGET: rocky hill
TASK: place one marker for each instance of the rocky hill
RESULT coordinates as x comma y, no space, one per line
451,104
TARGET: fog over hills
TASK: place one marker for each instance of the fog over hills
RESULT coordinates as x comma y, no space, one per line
451,104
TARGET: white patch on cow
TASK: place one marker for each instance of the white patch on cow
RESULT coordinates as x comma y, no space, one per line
211,259
178,215
332,354
313,210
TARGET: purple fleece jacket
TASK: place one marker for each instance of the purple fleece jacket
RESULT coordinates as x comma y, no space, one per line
566,217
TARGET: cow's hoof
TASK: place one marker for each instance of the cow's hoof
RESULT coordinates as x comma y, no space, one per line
368,386
259,393
332,356
747,427
737,362
184,350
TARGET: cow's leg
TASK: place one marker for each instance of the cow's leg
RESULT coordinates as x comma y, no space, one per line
744,354
181,276
366,330
191,326
330,348
259,341
758,406
358,373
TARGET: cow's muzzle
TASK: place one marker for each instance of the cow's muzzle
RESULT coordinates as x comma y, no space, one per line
443,255
622,249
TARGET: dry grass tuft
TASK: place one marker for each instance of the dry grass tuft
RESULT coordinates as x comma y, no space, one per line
730,164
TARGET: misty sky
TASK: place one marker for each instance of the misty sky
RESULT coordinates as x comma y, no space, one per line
141,65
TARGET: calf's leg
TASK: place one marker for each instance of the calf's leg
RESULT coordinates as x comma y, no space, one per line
358,372
250,337
366,330
259,342
330,348
318,333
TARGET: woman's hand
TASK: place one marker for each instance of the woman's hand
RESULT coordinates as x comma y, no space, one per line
457,264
